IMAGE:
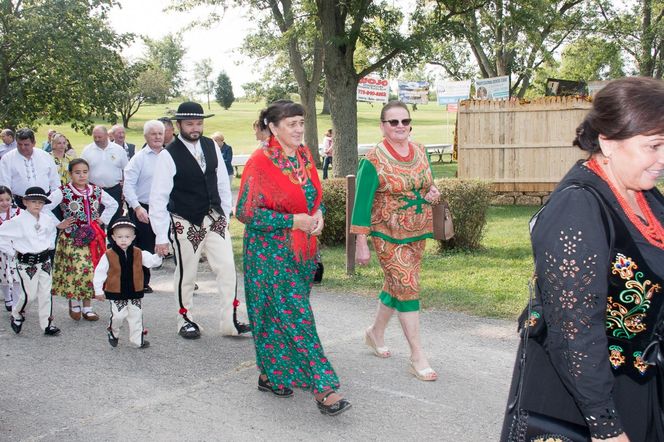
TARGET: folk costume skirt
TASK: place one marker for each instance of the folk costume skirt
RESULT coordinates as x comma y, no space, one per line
401,264
73,270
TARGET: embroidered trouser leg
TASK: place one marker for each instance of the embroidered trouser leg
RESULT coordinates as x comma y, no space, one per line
35,282
129,309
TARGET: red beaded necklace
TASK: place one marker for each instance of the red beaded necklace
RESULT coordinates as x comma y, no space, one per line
651,229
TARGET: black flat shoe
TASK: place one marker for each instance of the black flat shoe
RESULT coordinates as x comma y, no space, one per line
112,340
147,289
188,331
8,306
242,328
51,330
336,408
145,344
269,387
16,325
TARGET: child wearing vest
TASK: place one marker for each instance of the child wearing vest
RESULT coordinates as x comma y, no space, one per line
119,278
31,235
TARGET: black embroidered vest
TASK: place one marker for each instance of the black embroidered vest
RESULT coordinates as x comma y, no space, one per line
635,300
194,193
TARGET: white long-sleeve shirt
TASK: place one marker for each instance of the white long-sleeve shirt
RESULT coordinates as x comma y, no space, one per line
162,185
150,260
138,177
25,234
19,173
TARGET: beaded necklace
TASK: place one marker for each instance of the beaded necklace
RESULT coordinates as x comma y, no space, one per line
651,229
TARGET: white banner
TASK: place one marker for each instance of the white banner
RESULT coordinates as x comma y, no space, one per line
414,92
496,88
373,89
450,92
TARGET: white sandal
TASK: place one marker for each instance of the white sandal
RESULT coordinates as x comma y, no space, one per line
427,374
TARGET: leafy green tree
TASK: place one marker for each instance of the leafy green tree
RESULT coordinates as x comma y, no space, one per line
154,85
166,54
58,62
224,91
202,74
591,58
128,100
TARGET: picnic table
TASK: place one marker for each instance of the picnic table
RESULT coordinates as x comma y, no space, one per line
440,150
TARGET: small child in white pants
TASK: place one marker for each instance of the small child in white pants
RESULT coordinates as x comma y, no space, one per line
8,278
119,278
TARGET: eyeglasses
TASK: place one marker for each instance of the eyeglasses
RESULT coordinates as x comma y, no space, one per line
394,123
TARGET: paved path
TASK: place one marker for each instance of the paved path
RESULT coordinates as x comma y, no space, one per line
76,387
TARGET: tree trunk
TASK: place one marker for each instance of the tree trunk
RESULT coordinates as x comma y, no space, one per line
343,107
326,103
308,100
646,66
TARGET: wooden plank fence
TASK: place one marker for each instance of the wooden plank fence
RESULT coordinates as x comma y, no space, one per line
519,146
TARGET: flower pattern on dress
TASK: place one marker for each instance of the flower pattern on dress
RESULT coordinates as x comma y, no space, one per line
623,266
196,235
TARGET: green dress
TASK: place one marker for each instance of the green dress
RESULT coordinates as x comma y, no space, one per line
277,289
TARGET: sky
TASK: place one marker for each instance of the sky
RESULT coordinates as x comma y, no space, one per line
220,42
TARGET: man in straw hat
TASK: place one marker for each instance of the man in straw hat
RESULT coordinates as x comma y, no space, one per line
191,194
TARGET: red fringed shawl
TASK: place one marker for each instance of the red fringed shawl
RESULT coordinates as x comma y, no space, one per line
270,182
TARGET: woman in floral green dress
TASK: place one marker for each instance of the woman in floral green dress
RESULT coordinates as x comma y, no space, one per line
280,205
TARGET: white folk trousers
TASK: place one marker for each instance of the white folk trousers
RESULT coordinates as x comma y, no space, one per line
35,283
131,310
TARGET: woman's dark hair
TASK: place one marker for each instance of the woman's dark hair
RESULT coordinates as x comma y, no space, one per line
76,161
5,189
391,105
277,111
622,109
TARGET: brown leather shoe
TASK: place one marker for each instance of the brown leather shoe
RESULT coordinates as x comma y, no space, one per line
76,316
90,316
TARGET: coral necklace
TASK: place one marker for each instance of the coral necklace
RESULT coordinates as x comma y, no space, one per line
651,229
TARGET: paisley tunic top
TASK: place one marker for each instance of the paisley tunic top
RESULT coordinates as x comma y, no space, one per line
389,199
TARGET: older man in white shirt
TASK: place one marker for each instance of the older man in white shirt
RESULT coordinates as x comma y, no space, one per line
136,189
26,167
8,141
107,161
191,195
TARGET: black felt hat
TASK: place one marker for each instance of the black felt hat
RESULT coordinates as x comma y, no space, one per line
190,111
36,193
122,221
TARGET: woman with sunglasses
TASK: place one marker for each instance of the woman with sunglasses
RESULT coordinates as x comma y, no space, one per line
395,190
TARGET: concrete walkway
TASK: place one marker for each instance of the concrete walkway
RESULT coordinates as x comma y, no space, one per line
76,387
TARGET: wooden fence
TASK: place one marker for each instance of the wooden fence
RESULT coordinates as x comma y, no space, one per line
519,146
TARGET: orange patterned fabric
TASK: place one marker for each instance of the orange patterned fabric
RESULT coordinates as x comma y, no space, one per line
401,265
399,210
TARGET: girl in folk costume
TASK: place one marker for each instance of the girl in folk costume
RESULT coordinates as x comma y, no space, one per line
8,280
280,205
81,245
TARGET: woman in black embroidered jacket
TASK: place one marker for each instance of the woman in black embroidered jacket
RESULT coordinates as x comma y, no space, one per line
599,256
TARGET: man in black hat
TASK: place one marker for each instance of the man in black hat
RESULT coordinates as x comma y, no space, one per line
191,194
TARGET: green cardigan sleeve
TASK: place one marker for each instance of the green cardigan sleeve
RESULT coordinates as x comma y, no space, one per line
365,189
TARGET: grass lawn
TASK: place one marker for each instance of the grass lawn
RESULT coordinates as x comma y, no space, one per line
490,282
431,125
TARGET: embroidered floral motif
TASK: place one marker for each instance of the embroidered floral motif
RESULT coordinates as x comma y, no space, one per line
196,235
569,268
625,317
178,227
623,266
136,302
219,225
616,357
532,320
120,303
30,271
46,266
575,359
567,299
639,363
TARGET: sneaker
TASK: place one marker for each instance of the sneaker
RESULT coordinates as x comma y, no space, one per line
189,331
145,344
112,340
51,330
16,325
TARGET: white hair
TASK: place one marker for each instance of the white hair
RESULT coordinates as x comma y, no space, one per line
153,124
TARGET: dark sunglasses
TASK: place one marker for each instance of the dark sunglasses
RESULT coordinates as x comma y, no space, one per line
394,123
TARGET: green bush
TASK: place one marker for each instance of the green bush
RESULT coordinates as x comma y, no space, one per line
469,202
334,200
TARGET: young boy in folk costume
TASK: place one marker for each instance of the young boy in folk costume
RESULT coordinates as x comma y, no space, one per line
8,278
119,278
31,234
82,244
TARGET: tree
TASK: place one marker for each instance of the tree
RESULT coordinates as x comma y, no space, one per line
58,62
224,91
514,38
202,73
128,100
639,31
166,54
347,23
154,85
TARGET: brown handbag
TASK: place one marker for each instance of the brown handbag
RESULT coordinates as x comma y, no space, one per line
443,229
